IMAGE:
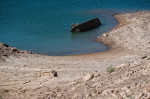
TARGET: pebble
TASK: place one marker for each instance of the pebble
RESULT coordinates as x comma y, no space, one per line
76,95
88,95
139,96
74,88
148,66
97,75
105,35
115,96
106,92
123,94
126,89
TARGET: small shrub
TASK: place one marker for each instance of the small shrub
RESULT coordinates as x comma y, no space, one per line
110,69
129,96
3,92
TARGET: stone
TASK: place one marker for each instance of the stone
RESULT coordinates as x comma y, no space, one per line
88,77
76,96
144,57
50,74
97,75
3,45
106,92
105,35
73,88
4,54
139,96
14,49
88,95
53,73
93,23
126,89
148,66
123,94
120,66
60,95
115,96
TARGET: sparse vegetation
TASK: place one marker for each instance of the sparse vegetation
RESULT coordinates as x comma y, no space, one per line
129,96
110,69
3,92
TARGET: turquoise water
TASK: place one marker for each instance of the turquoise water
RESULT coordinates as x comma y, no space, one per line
43,26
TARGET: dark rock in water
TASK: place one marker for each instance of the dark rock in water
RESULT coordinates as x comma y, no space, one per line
93,23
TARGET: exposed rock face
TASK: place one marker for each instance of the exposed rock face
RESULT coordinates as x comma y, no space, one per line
93,23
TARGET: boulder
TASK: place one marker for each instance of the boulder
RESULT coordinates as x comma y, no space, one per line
93,23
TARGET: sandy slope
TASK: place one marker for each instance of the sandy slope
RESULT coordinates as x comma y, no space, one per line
85,76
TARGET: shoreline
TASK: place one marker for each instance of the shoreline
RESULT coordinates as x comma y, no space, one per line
85,76
109,44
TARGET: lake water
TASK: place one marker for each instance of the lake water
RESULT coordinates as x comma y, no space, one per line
43,26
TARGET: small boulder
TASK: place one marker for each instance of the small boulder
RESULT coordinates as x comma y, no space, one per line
105,35
88,77
50,74
121,66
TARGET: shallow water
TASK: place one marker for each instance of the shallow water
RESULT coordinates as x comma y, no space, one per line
44,26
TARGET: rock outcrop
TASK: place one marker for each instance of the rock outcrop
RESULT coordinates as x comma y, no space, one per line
5,50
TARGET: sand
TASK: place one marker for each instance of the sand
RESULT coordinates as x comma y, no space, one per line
25,75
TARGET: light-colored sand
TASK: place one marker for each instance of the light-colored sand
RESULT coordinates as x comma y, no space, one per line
85,76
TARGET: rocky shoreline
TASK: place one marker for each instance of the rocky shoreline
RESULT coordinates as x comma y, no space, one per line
5,50
120,73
